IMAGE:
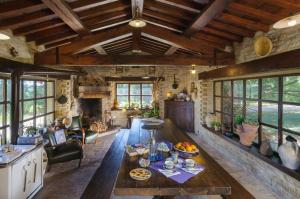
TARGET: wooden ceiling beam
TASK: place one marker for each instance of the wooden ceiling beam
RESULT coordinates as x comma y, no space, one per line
55,38
212,10
38,27
105,18
126,60
95,38
100,50
48,32
118,45
230,28
171,50
222,34
287,4
272,63
110,24
173,39
212,38
163,24
166,18
20,7
247,23
188,5
82,5
259,13
136,38
58,43
66,14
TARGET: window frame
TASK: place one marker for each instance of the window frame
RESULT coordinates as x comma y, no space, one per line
35,99
280,102
5,104
141,95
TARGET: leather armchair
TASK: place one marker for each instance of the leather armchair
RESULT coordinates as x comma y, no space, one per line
76,131
58,153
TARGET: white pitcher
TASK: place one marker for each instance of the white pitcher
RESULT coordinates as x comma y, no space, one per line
290,153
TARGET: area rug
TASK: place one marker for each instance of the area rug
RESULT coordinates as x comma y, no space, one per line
65,180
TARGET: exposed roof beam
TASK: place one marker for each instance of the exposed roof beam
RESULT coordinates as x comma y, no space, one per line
127,60
65,13
209,12
171,50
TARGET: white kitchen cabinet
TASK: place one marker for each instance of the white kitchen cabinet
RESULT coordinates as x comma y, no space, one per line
23,177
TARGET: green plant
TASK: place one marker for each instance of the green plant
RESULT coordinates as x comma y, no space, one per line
31,130
238,120
217,124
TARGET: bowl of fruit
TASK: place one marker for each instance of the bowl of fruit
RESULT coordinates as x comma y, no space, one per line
186,147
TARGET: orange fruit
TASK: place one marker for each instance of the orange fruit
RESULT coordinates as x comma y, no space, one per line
189,149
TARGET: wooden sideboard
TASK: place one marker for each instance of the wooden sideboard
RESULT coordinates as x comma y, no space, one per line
181,113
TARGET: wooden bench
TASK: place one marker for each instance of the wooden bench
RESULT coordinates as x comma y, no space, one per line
103,181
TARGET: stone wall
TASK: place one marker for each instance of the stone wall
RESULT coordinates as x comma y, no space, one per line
283,40
285,186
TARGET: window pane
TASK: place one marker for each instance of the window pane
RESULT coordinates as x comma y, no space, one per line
27,124
238,88
147,101
28,108
227,105
8,135
291,117
40,106
8,90
40,122
50,89
40,89
135,101
49,119
272,135
291,91
147,89
1,115
123,101
122,89
227,88
227,122
218,88
252,111
218,115
270,113
50,102
218,104
297,137
252,89
237,107
8,114
135,89
28,89
270,89
1,90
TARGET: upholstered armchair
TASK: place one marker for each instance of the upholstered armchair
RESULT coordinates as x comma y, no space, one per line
60,150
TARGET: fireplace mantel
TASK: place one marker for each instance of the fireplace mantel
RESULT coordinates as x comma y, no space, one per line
94,92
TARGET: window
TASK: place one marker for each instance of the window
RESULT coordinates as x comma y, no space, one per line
273,102
134,95
36,103
5,96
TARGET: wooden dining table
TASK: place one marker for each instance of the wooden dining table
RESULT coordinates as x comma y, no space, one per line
212,181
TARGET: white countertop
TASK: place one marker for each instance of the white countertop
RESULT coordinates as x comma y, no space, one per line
19,150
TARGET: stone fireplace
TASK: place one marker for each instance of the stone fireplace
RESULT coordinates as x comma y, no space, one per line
91,110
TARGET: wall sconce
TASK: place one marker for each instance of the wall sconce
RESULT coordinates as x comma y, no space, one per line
169,95
194,89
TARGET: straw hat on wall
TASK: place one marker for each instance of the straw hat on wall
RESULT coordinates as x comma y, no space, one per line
263,46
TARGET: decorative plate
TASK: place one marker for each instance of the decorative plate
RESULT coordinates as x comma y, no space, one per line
192,152
140,174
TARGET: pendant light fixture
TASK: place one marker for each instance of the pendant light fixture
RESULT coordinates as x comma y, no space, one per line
4,36
193,70
287,22
137,21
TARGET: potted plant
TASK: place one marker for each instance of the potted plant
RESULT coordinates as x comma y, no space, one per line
30,131
217,125
238,120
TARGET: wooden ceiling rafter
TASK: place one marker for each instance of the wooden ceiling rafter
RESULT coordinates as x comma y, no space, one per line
212,9
188,5
163,24
55,38
66,14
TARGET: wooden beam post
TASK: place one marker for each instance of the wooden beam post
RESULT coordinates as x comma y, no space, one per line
15,105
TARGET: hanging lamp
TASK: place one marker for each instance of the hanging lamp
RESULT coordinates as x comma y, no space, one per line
137,21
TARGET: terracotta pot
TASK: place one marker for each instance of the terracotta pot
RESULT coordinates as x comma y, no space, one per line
290,153
248,134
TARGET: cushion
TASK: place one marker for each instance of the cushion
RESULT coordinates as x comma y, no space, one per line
60,136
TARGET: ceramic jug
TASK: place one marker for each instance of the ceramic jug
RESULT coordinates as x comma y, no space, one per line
289,153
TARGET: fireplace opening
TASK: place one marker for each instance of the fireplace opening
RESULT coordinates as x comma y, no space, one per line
91,110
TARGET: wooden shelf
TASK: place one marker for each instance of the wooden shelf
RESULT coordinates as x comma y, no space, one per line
254,150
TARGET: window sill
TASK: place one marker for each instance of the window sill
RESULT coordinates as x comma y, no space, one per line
254,150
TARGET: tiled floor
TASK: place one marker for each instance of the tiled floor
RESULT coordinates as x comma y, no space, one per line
65,180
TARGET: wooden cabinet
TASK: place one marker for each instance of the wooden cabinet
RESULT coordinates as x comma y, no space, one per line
181,113
22,178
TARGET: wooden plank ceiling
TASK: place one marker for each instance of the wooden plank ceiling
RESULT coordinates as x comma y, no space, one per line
200,28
